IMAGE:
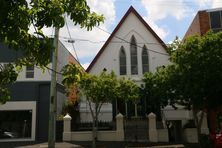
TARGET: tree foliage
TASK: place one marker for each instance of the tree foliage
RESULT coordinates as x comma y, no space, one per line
16,18
194,77
7,77
194,74
99,89
198,61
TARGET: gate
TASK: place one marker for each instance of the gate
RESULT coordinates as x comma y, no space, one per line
136,129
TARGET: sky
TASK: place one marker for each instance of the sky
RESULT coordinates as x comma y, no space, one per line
168,18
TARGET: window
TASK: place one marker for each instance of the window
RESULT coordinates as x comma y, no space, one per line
30,72
133,56
15,124
122,61
216,20
145,60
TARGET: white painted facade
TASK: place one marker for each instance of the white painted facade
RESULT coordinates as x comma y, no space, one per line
109,58
45,75
40,75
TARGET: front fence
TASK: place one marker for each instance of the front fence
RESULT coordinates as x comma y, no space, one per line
144,130
136,130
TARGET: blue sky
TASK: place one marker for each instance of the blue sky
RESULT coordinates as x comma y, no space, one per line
168,18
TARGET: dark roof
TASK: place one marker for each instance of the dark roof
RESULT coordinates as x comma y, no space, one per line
130,10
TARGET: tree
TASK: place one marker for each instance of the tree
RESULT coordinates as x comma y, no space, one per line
7,77
157,90
127,90
16,17
99,89
194,77
199,62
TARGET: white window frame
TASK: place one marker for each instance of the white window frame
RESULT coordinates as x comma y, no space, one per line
18,106
30,71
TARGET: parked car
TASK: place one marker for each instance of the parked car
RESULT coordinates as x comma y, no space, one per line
217,139
6,134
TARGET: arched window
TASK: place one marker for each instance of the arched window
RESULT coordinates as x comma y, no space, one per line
122,61
145,60
133,56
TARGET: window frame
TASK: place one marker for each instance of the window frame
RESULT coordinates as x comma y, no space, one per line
30,72
22,105
144,49
216,29
133,46
122,65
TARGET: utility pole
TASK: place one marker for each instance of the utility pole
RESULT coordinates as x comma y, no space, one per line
53,94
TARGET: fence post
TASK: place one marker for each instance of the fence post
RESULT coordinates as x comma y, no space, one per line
119,127
152,128
204,126
67,128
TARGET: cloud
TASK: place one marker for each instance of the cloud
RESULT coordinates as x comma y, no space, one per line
158,10
203,4
87,49
107,8
216,3
162,32
87,43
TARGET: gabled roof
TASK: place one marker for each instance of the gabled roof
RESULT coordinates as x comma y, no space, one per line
130,10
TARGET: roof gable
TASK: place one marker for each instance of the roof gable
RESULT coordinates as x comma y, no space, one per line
130,10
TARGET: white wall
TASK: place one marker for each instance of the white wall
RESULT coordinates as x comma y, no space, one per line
105,112
39,74
109,59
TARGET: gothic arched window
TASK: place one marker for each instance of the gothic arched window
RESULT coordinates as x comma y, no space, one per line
133,56
145,60
122,61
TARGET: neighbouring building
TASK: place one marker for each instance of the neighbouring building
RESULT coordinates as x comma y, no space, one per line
205,20
25,117
132,49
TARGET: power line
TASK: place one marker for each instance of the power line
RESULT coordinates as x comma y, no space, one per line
50,70
131,43
71,42
66,39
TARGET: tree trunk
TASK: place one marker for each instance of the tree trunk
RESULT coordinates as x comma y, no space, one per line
94,133
198,123
95,125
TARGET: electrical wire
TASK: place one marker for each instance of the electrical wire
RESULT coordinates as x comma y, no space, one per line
99,42
71,42
133,44
50,69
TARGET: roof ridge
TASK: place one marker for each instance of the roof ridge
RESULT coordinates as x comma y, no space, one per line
130,10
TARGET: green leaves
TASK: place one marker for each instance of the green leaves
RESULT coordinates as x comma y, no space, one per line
71,75
8,76
79,13
101,88
194,75
127,90
17,16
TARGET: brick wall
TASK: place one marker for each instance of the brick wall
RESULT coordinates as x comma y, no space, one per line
200,24
204,22
194,28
